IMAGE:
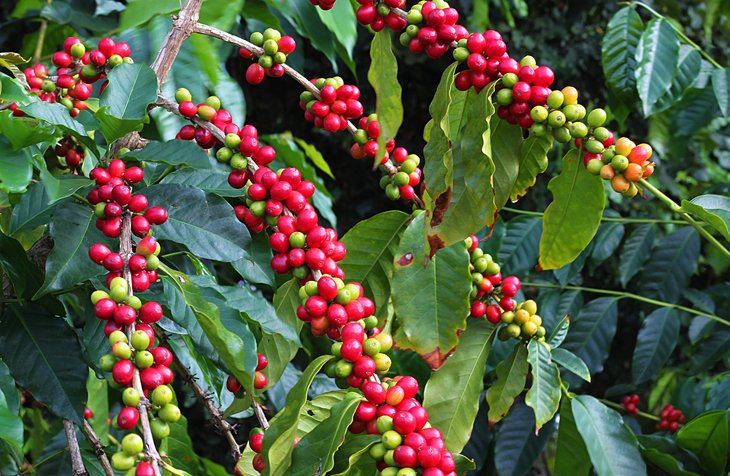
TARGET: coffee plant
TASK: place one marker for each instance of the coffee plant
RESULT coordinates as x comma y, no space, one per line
178,299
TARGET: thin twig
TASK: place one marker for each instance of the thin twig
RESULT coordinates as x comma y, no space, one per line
77,464
258,410
658,221
98,448
182,27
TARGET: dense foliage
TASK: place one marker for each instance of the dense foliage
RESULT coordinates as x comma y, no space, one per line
217,253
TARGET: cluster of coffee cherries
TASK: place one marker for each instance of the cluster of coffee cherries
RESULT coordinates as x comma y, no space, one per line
378,14
360,354
276,48
323,4
432,28
210,111
337,103
77,70
112,198
631,403
259,379
407,443
256,443
623,163
671,418
70,152
245,143
486,59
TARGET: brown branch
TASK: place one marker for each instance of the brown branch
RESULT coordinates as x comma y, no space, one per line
258,410
77,464
98,448
182,26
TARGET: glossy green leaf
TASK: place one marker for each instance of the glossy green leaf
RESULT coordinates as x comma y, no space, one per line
710,350
431,302
231,338
544,394
519,251
468,204
592,331
139,12
73,230
571,456
255,267
664,453
608,238
175,153
25,131
557,336
352,458
618,50
45,357
98,403
533,162
719,397
572,362
179,448
713,209
25,277
437,153
672,263
210,181
316,450
11,430
707,436
9,393
451,395
518,446
383,77
657,56
688,69
506,146
371,245
635,251
570,222
694,111
11,61
16,168
123,104
655,343
205,223
611,445
510,382
57,115
277,447
721,87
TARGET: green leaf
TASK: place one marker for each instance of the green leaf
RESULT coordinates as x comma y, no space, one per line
11,429
205,223
255,267
315,452
44,356
635,251
671,265
694,111
688,69
231,338
210,181
314,155
179,448
663,452
510,382
175,153
25,131
721,87
277,447
611,445
371,245
11,61
654,344
73,230
707,436
451,395
437,152
431,302
98,403
519,251
572,362
468,204
592,331
506,146
570,222
139,12
560,332
571,458
710,350
518,446
713,209
25,277
618,50
383,76
352,457
607,240
719,397
533,162
16,168
544,395
9,393
57,115
657,56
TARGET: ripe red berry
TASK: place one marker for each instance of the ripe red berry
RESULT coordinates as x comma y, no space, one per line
122,372
232,384
156,215
150,312
128,418
97,252
255,74
144,469
404,423
405,456
151,378
162,355
256,442
263,362
259,381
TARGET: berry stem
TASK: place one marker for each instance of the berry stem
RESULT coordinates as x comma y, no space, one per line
679,32
635,297
258,410
673,206
77,464
620,408
98,448
659,221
